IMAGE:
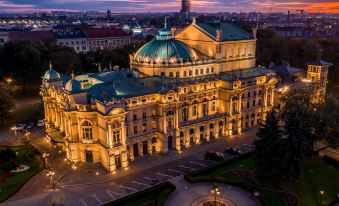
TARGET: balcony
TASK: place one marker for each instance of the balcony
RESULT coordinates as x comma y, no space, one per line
203,119
89,141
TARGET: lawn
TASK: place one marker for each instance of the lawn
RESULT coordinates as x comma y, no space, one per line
317,175
154,196
11,184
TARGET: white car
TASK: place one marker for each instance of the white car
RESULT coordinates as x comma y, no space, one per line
40,123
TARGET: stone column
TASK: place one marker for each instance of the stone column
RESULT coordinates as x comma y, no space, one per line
109,139
123,133
197,135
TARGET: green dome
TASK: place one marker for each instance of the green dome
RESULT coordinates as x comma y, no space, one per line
73,86
169,50
51,75
166,49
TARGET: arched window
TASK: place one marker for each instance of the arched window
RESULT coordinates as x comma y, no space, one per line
213,107
171,74
185,73
116,136
202,128
194,110
207,70
177,74
87,130
192,131
190,73
221,123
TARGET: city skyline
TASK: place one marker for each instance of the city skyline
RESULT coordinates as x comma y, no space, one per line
136,6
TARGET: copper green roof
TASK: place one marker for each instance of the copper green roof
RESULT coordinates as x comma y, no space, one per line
230,31
134,87
167,49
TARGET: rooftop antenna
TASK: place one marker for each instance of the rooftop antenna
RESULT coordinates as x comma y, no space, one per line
50,65
165,22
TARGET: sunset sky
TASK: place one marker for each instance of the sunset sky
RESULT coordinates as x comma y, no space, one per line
169,6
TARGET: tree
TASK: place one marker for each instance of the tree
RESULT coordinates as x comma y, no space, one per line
266,144
292,148
299,101
327,126
6,104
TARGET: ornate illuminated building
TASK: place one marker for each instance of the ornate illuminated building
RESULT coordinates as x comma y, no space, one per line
182,89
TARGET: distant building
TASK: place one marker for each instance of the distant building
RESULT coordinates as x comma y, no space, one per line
75,39
185,8
109,14
4,37
106,38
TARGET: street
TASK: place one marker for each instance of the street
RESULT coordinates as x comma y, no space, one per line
91,185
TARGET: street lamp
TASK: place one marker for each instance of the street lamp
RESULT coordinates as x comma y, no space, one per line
321,195
45,157
215,191
50,174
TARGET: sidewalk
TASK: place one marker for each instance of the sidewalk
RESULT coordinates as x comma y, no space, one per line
187,194
87,176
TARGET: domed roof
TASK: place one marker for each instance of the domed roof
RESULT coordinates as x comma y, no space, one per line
73,85
165,49
51,74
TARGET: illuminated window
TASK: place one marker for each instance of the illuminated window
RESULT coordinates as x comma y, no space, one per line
87,130
116,136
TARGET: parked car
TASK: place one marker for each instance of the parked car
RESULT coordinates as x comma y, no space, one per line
20,126
40,123
30,125
232,151
214,156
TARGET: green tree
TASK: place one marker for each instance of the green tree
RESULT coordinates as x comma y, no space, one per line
292,147
299,100
266,144
6,104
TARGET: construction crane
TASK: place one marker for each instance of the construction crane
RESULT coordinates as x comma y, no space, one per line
302,14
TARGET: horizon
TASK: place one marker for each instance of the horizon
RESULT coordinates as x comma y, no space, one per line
156,6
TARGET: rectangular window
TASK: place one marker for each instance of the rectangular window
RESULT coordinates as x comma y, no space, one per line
116,136
144,127
135,129
134,117
144,115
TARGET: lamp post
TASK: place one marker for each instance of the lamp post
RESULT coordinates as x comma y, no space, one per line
321,195
215,191
45,157
50,174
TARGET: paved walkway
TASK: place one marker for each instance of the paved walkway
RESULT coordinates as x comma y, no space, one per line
83,182
187,194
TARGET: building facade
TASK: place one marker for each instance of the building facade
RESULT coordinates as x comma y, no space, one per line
182,89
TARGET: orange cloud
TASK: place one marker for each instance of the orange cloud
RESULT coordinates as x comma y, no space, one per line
328,7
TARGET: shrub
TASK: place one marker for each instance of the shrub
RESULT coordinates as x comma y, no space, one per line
9,166
7,154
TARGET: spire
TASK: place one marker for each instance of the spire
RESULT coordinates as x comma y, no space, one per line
72,75
165,25
99,67
194,20
50,65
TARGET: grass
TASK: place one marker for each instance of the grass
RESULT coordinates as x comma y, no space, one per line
154,196
317,175
11,184
220,173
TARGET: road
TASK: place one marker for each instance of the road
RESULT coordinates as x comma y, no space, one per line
91,185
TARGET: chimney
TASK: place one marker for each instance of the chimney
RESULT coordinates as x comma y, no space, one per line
218,34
